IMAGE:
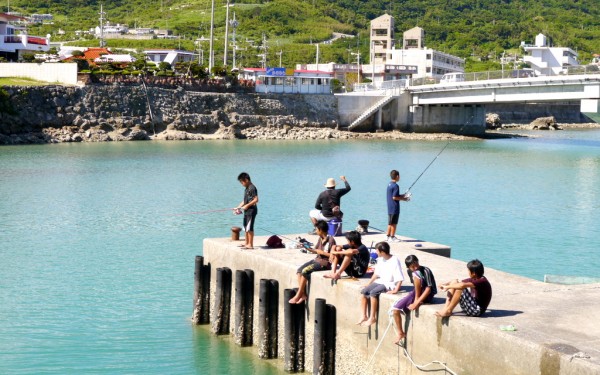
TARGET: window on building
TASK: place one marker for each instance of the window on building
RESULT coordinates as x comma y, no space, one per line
428,56
428,70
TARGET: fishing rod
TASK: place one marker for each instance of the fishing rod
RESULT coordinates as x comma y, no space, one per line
434,159
302,241
201,212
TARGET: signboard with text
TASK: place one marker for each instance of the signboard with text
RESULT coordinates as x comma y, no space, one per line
275,72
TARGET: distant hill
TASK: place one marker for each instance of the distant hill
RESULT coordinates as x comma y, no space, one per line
476,29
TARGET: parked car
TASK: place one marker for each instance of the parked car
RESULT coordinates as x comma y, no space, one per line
453,77
522,73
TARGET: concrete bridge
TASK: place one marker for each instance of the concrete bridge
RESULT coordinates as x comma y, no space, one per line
460,107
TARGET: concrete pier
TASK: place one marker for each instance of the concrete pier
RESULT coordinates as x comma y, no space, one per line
556,329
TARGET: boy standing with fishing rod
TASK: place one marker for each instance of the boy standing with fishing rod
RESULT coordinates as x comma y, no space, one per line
249,207
393,203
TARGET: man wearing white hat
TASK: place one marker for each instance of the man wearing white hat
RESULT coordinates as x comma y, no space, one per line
328,202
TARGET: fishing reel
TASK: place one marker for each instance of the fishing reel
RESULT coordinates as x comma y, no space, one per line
304,244
237,211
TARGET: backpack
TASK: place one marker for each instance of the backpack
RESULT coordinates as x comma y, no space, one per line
274,242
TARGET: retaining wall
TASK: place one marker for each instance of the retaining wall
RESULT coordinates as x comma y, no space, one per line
63,73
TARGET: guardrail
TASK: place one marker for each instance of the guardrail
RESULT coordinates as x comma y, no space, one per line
509,74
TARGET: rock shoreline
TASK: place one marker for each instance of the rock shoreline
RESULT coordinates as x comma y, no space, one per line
68,134
113,113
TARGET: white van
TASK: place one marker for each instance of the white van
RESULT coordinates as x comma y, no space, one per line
453,77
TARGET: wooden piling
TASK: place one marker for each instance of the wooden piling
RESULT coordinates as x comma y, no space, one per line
201,314
222,307
268,315
244,304
324,338
294,336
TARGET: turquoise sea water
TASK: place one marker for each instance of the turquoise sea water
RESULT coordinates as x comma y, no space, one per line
96,271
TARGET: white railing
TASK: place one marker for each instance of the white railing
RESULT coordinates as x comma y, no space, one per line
511,74
395,86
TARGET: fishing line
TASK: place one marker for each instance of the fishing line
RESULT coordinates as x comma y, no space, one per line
434,159
268,231
201,212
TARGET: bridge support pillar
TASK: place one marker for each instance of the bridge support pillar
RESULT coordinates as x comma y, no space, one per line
591,108
454,118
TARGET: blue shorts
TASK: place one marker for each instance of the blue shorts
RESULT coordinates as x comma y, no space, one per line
373,290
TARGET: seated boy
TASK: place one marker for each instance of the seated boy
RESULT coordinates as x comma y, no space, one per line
320,263
386,278
474,294
423,292
353,257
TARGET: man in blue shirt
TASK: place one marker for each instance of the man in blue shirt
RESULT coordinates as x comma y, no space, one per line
393,203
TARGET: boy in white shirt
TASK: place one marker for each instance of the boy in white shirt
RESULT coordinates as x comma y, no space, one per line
387,278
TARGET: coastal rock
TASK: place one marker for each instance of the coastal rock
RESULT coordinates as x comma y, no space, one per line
544,123
492,121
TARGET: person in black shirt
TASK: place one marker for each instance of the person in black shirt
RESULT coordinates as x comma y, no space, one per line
249,207
328,202
353,258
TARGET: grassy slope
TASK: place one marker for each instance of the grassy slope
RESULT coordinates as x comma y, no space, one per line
482,29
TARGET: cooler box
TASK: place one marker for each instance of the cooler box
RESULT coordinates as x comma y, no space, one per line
335,227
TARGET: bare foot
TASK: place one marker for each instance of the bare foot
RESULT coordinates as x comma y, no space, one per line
369,323
361,321
329,276
301,299
401,336
443,313
293,300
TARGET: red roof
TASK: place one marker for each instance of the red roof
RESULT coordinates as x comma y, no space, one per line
94,53
91,54
10,17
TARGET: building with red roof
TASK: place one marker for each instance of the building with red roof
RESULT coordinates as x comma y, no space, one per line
14,41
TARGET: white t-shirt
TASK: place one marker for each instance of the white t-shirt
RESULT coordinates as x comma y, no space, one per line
389,272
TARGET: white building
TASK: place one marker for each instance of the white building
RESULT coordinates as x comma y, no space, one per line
386,59
170,56
111,29
545,60
276,80
429,62
14,40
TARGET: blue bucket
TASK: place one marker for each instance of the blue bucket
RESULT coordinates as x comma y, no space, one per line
335,227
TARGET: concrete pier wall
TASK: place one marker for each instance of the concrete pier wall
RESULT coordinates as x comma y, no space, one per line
556,332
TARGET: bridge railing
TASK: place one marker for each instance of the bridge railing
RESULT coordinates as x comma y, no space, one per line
508,74
390,87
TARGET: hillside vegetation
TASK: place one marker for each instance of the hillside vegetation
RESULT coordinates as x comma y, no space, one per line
479,30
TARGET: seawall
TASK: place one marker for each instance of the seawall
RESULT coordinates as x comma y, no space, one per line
556,332
113,112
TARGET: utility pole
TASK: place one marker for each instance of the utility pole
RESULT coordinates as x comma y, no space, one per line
211,54
280,53
234,25
317,59
264,47
102,14
226,33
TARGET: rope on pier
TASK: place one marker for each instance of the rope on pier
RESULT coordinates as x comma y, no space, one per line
407,354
